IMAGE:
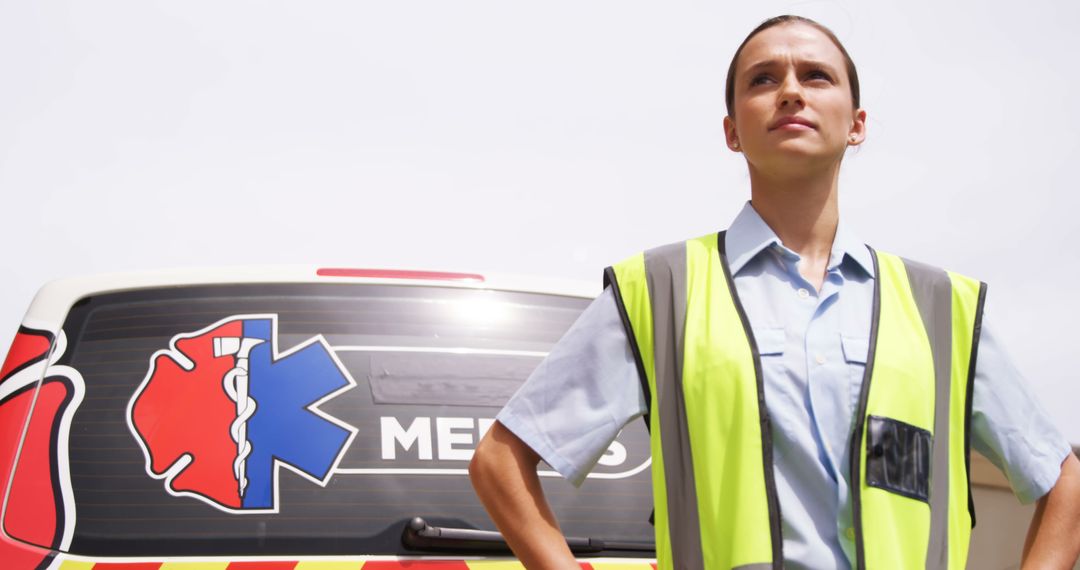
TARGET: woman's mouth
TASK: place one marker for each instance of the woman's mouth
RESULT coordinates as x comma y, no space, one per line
792,123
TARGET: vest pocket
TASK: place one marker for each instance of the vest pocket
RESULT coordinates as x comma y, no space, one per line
898,457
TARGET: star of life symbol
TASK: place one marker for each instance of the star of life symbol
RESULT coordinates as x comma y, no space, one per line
221,411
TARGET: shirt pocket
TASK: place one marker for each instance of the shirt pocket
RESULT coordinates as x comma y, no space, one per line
856,349
770,340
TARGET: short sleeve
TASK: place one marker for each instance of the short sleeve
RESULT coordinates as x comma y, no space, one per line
1010,427
581,395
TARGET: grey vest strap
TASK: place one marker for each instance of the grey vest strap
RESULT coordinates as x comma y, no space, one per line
665,270
932,290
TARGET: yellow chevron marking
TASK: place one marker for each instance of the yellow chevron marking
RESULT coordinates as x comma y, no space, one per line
73,565
494,565
194,566
330,565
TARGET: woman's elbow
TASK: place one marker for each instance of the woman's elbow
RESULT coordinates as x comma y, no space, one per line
479,463
500,458
486,460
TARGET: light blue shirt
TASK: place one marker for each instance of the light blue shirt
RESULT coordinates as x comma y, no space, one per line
813,349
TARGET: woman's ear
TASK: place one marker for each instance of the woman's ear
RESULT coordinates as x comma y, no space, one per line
730,135
857,133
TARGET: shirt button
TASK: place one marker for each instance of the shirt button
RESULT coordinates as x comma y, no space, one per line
819,359
849,532
803,294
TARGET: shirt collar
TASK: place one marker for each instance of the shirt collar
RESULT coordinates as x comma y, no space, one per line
749,235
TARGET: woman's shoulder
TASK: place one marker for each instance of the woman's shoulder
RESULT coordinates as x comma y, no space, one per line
915,267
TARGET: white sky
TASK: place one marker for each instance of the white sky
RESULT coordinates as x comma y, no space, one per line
547,138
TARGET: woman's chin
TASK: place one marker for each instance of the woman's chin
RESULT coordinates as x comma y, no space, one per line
795,160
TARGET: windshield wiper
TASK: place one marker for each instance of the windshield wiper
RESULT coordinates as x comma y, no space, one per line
419,535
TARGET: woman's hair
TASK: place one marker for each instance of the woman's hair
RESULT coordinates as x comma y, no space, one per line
853,75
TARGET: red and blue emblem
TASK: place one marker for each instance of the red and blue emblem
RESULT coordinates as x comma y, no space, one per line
221,411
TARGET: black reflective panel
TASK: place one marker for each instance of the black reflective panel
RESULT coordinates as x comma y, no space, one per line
898,457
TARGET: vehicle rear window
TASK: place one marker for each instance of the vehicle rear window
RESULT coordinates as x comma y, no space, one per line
310,419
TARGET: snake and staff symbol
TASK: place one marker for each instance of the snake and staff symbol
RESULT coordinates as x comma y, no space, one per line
236,386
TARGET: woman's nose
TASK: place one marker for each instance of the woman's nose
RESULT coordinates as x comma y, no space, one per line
791,93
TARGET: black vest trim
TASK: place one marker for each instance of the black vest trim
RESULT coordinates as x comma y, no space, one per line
763,415
860,413
970,387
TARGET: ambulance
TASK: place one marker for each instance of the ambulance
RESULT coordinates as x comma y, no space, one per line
286,418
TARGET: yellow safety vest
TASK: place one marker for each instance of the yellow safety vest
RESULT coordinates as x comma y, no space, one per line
713,487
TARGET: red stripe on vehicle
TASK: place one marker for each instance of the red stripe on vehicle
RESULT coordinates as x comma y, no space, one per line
27,347
416,565
399,274
262,565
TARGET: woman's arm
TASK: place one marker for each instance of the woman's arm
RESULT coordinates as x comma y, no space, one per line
1053,539
503,472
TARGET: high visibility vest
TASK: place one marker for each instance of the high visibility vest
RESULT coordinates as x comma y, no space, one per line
712,470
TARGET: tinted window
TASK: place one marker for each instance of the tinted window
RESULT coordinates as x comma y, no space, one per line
310,419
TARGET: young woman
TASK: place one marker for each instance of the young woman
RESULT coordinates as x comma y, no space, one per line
813,400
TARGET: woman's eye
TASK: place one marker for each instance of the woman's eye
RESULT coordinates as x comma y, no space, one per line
818,74
760,79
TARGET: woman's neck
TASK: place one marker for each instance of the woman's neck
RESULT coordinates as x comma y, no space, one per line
803,212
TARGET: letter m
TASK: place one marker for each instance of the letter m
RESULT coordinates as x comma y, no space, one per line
419,433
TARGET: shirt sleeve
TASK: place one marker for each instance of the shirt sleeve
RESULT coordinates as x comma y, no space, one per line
1010,427
581,395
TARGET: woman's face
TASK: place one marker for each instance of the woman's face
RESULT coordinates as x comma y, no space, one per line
793,107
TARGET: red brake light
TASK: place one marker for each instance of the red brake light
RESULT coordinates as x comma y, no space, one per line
400,274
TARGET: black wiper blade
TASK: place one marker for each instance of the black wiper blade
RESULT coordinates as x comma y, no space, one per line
419,535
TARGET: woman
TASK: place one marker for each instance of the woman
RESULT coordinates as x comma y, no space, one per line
803,389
